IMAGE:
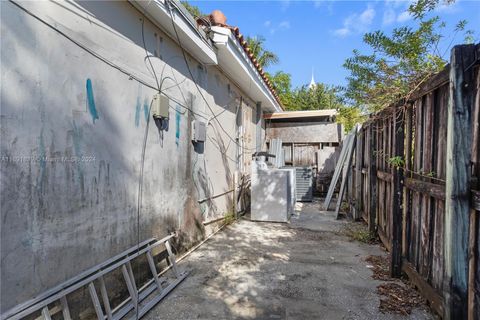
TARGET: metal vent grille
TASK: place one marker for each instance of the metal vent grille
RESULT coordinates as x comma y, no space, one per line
304,183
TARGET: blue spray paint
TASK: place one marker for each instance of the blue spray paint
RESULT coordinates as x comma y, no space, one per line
146,108
137,113
91,101
177,124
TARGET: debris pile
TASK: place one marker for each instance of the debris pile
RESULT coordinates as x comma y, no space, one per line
397,295
380,267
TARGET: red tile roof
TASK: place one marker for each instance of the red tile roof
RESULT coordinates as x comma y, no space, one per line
243,42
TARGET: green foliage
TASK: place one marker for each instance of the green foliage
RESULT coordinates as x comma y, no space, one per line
321,96
349,116
420,8
364,237
264,57
399,62
193,10
396,161
430,174
229,218
281,81
359,232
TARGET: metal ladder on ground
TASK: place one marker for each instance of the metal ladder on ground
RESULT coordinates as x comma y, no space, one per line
152,292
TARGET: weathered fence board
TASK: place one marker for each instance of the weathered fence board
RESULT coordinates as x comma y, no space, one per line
417,166
459,138
474,240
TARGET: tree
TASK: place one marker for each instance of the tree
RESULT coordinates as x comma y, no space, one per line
421,7
399,63
264,57
283,86
348,116
193,10
321,96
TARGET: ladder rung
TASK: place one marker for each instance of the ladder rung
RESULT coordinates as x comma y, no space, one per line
96,302
171,259
153,269
65,309
46,313
120,311
128,281
106,302
132,278
140,299
150,304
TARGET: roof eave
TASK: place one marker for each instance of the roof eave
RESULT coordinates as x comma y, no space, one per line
192,39
234,60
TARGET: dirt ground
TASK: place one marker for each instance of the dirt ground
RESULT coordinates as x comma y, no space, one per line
307,269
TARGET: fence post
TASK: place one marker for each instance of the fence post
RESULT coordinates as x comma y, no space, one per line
372,179
358,174
397,219
459,133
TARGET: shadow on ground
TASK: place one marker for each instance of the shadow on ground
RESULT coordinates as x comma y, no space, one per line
306,269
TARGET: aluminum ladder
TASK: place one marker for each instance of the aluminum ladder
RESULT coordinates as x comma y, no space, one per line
152,292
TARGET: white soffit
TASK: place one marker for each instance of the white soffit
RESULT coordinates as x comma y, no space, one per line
159,12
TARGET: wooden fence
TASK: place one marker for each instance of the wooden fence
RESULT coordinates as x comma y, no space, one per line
416,181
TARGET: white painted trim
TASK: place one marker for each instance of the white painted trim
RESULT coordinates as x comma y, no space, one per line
235,62
190,36
227,53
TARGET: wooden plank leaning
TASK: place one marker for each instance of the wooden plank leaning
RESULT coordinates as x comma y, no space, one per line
338,170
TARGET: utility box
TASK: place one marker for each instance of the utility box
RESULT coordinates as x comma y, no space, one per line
160,106
199,131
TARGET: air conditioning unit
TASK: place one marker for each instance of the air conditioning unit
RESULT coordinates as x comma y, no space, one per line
304,184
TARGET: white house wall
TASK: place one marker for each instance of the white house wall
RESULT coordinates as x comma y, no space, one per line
63,215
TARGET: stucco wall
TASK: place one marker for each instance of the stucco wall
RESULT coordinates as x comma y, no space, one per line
63,215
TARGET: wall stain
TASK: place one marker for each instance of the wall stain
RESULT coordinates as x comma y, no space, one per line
91,101
177,125
137,113
77,139
146,108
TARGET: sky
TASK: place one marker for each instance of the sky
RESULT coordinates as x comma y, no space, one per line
320,35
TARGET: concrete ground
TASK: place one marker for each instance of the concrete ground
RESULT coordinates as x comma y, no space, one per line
306,269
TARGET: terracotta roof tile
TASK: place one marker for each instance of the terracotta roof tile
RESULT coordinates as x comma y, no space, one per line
242,41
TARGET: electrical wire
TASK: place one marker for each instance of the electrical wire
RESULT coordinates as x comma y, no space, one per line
157,88
169,5
148,56
105,60
130,75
